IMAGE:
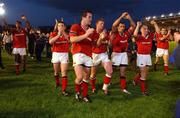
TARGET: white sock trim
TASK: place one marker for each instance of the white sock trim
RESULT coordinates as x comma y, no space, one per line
85,81
107,75
142,79
105,86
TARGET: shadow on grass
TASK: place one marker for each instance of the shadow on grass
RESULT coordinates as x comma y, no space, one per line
27,114
156,88
17,83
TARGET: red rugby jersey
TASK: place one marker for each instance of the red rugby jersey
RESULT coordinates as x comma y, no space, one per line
144,44
120,43
19,38
102,48
162,44
83,46
57,46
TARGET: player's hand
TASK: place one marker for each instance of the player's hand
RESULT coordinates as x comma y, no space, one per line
153,22
89,31
127,17
139,23
124,14
103,34
169,30
60,33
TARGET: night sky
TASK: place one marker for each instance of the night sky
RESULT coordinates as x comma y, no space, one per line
44,12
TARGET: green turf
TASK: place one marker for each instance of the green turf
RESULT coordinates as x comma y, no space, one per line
33,95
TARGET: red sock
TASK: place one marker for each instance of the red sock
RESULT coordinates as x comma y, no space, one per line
166,69
107,80
123,82
143,86
17,69
64,83
77,88
93,83
137,78
57,80
84,89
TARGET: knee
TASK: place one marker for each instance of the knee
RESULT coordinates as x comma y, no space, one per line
78,80
64,73
93,75
144,75
122,73
165,62
110,72
56,73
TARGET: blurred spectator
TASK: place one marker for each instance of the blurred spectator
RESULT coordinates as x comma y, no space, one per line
1,64
31,43
7,40
178,109
40,43
48,47
177,50
31,37
132,48
154,46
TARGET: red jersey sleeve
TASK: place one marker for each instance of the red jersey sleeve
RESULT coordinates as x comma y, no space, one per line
53,34
74,30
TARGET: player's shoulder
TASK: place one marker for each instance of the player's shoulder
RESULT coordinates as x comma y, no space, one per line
52,34
75,26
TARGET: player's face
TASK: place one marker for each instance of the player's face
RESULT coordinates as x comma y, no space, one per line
18,25
88,19
121,27
177,37
163,31
144,30
100,25
61,27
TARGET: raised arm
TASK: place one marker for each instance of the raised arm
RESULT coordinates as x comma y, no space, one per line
5,25
132,23
136,31
118,20
55,26
157,29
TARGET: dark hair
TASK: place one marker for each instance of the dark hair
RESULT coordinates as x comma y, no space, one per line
163,27
60,21
18,22
122,23
100,19
143,25
84,13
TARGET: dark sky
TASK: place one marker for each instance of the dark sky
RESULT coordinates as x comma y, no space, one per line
44,12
